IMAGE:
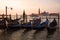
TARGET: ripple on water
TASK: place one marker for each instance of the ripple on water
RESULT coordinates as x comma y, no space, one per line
16,35
28,35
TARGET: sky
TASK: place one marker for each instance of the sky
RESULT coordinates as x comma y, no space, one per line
30,6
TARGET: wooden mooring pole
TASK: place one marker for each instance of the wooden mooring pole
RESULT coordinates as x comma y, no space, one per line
58,22
58,28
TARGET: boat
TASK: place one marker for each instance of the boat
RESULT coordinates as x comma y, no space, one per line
13,24
52,27
41,25
37,26
2,24
26,25
29,25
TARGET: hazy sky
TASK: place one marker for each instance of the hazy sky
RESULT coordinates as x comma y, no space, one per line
30,6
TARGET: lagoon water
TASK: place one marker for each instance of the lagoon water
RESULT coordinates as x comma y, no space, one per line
23,34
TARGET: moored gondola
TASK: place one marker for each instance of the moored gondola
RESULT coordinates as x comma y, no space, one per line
41,25
30,25
14,24
52,27
36,26
2,24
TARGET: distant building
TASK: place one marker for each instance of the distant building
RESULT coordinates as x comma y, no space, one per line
53,14
44,13
34,15
40,14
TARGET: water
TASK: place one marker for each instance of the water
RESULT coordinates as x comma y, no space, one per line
29,35
23,34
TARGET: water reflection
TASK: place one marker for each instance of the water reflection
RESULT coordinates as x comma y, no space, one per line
24,34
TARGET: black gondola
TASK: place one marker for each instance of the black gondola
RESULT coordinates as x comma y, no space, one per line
36,26
14,24
2,24
52,27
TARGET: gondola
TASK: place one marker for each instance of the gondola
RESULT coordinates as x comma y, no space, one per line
41,25
37,26
52,27
26,25
29,25
2,24
13,24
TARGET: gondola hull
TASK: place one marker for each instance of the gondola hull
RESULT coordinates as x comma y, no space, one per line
41,26
36,27
52,27
2,26
14,26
